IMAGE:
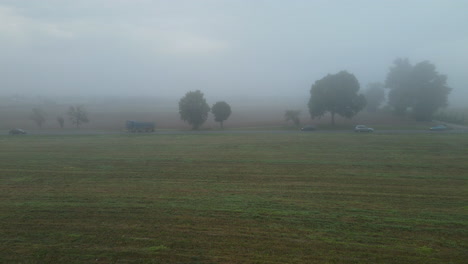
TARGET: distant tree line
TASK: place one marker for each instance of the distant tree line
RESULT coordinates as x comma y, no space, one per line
419,90
77,115
455,117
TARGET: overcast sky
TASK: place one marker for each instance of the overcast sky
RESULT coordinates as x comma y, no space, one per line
222,47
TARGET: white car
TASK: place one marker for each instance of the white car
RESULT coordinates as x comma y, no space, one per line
363,128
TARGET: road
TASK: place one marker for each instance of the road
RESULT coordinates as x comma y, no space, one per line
455,129
459,130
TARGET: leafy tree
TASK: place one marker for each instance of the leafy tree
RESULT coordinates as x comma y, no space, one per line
399,81
193,109
61,121
337,94
375,95
39,116
78,115
293,115
419,88
221,111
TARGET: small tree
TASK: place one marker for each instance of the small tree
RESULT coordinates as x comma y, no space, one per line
38,115
221,111
337,94
375,95
61,121
78,115
193,109
293,115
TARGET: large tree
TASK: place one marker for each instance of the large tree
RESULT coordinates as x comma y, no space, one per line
221,112
193,109
336,94
419,88
78,115
375,95
38,116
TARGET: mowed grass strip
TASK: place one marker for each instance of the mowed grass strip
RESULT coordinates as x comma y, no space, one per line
234,198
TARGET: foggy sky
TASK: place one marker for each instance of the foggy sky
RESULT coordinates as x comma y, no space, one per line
222,47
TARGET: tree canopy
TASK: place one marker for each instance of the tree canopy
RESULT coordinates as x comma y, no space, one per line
78,115
419,88
375,95
193,109
39,116
61,121
293,115
221,112
336,94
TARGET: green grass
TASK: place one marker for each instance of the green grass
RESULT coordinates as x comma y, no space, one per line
234,198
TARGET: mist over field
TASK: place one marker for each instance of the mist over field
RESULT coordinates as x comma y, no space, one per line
140,55
233,131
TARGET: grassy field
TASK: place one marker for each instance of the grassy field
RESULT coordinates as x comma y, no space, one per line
234,198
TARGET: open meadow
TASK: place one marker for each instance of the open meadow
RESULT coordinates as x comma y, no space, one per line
234,198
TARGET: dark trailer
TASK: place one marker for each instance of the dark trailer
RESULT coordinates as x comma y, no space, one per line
137,126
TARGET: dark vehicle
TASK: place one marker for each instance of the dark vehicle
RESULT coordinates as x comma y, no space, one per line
137,126
363,128
439,128
308,128
17,131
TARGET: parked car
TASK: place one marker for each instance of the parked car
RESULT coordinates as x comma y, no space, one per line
363,128
17,131
308,128
439,128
